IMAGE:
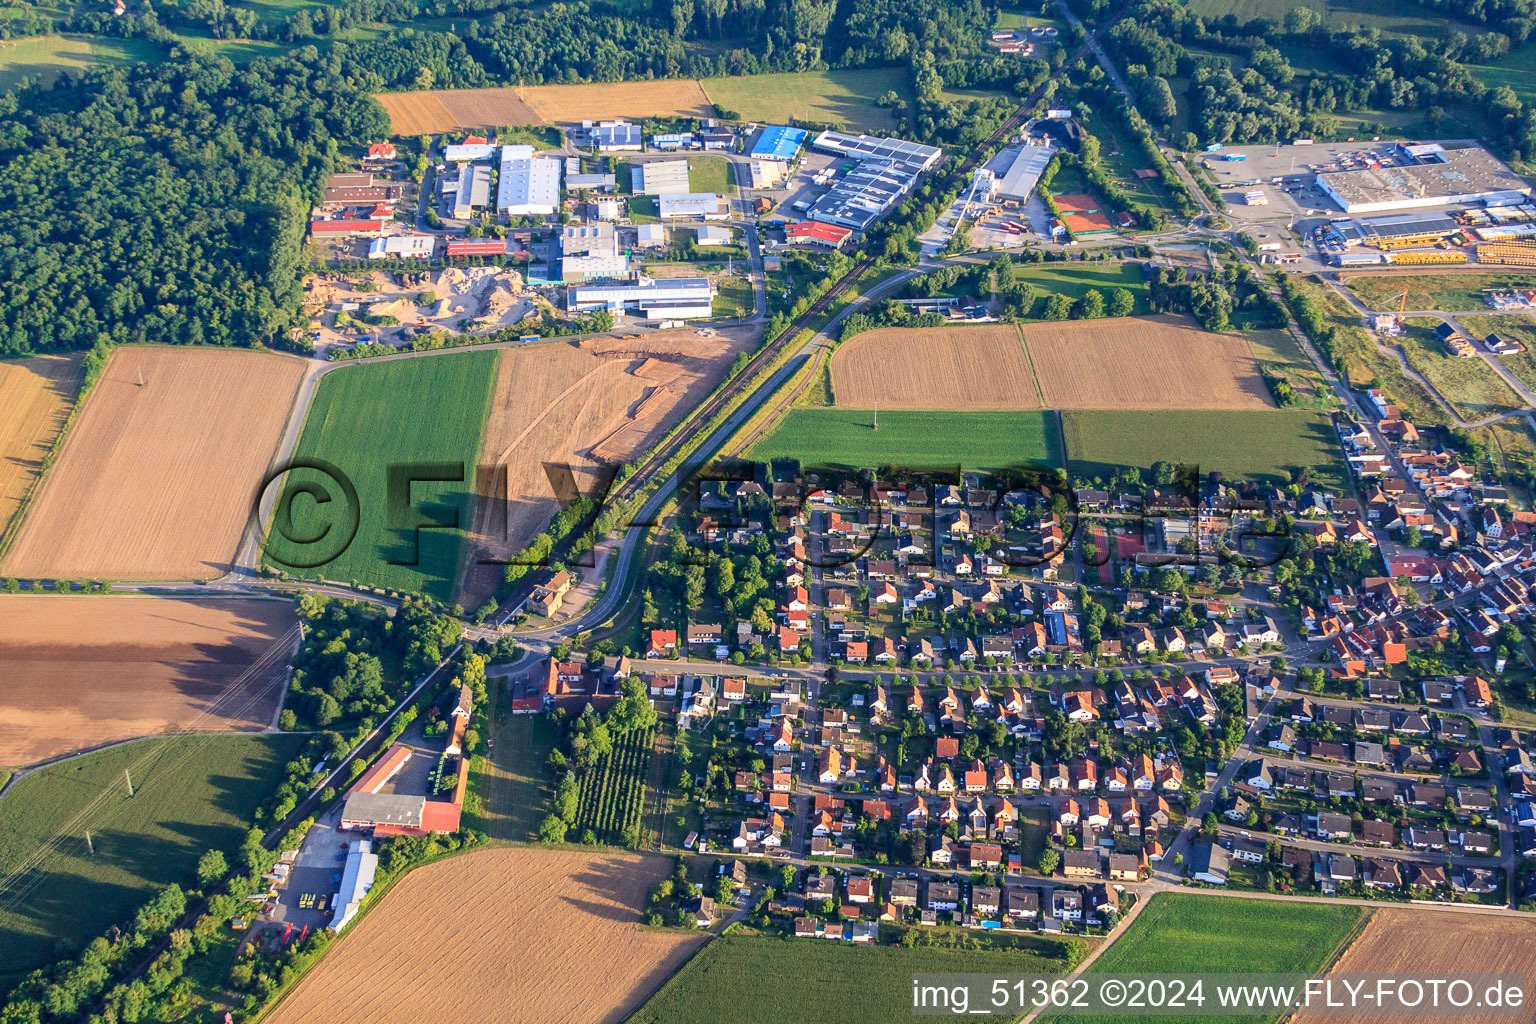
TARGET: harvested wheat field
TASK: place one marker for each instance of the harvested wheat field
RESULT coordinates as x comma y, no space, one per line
504,936
1429,944
980,367
592,406
83,670
162,467
1151,362
415,113
667,97
35,396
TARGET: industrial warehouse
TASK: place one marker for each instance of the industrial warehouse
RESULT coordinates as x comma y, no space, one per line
1427,175
886,171
678,298
529,185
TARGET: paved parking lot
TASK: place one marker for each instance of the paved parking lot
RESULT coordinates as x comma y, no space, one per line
320,859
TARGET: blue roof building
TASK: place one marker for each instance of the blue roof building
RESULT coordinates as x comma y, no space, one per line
779,142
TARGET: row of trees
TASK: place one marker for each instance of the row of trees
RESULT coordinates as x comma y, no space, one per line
605,795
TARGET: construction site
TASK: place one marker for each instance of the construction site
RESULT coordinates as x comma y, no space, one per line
390,307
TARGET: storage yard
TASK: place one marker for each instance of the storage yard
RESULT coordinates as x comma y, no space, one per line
123,503
499,931
82,670
35,398
588,406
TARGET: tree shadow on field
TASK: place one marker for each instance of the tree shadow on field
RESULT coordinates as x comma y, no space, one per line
60,911
615,877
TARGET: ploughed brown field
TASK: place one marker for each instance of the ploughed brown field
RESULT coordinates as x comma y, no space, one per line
975,367
82,670
592,407
671,97
162,467
1425,944
1150,362
417,113
35,396
510,936
1156,362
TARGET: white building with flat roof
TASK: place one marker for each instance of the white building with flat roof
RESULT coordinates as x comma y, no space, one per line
679,298
356,880
1023,173
660,177
474,191
615,136
459,153
1438,176
886,171
704,205
402,247
593,267
529,185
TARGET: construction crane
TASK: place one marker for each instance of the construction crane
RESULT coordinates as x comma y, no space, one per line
1393,327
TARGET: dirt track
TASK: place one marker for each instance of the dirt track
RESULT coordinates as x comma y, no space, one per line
511,936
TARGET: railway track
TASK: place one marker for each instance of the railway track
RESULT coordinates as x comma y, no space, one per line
637,481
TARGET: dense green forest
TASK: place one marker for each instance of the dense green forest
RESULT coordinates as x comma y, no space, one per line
1244,88
167,204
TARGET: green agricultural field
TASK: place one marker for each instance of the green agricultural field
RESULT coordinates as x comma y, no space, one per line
1469,384
871,983
828,97
1452,293
44,58
191,794
972,440
418,417
1191,934
612,799
1243,445
710,174
1390,18
1075,279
